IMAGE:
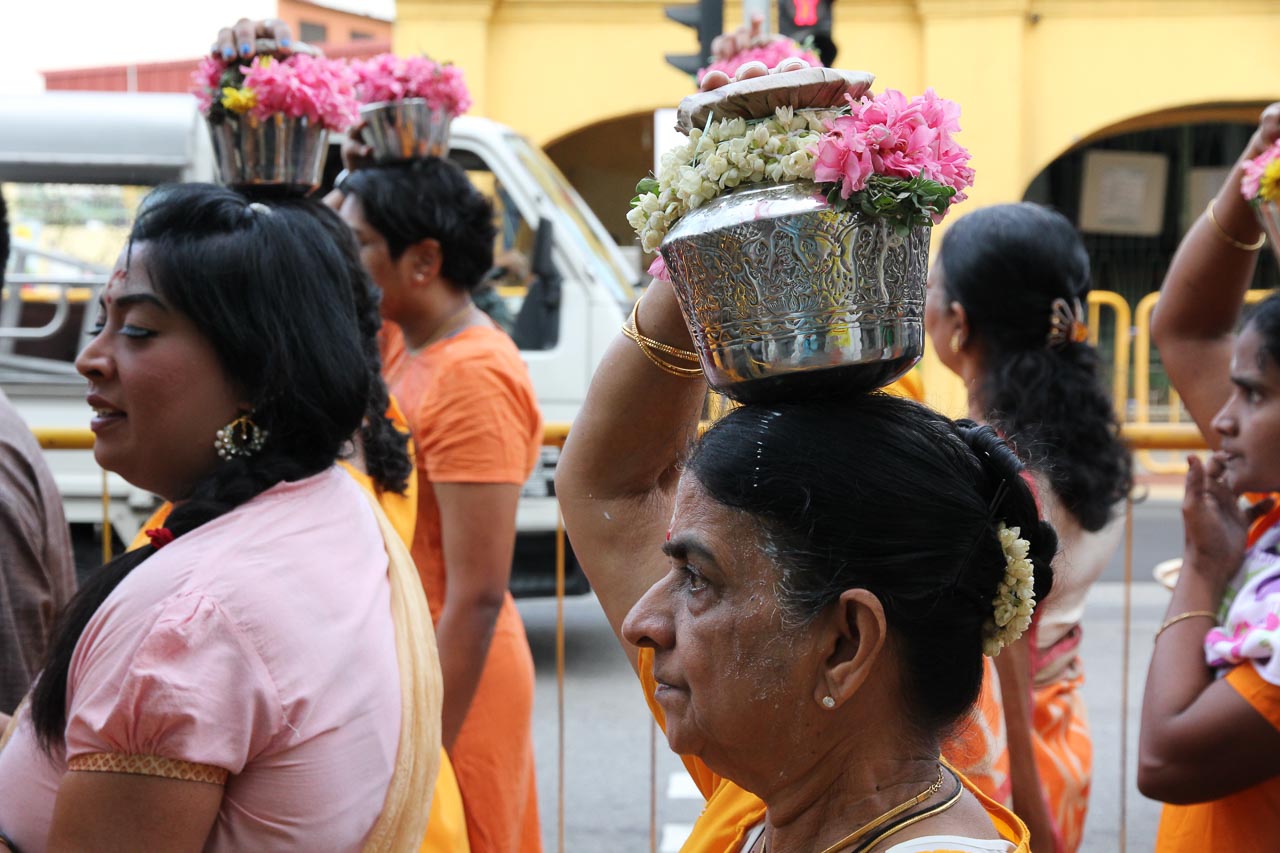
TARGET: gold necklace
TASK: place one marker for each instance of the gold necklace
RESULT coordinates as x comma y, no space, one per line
880,821
914,819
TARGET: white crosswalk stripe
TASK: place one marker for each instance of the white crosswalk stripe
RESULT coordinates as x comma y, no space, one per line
673,836
680,786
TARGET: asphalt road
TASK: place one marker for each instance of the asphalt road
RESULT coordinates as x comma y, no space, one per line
611,799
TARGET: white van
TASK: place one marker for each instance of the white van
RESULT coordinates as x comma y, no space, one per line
73,166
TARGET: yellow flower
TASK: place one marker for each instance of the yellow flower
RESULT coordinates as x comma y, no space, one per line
1269,188
239,101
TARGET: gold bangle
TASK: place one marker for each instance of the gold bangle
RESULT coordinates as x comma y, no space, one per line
674,370
1222,232
1190,614
683,354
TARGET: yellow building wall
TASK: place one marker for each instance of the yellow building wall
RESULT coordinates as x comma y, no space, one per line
1034,77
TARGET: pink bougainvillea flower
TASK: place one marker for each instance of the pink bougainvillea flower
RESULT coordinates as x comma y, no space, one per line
388,78
899,138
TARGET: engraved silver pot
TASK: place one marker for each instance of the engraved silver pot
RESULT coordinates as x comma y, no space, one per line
278,151
408,129
786,298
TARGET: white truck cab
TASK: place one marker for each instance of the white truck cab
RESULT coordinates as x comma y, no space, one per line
73,166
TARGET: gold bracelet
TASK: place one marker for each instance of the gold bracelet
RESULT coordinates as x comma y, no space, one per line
1190,614
674,370
1222,232
683,354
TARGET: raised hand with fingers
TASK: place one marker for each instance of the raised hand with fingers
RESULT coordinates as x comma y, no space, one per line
1215,525
241,38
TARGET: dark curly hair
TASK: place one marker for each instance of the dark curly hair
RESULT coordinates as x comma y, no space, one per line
385,448
885,494
429,199
275,296
1006,265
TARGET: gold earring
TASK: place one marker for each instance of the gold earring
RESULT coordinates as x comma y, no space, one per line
241,437
955,341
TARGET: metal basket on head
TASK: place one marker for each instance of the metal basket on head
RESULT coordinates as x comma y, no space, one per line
406,130
278,151
787,298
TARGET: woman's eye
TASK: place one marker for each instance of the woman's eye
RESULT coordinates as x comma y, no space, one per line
693,580
136,332
96,330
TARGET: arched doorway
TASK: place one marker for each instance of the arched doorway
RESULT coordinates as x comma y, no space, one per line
603,161
1133,190
1188,150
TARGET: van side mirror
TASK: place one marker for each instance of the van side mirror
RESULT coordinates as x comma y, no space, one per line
537,326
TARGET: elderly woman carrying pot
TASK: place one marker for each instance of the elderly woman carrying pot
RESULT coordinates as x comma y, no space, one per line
806,594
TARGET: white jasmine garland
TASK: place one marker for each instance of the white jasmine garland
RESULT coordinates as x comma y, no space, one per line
723,155
1014,601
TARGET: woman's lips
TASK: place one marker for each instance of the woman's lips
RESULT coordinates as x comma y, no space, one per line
105,415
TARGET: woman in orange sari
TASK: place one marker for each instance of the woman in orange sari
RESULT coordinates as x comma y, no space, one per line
1004,312
1210,740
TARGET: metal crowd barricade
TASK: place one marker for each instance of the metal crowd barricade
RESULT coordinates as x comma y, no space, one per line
1138,436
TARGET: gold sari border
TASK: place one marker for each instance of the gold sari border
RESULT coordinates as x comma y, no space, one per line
148,765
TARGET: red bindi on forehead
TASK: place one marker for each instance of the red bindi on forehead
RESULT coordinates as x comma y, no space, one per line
116,280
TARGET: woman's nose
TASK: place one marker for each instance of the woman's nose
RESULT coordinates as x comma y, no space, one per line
650,624
94,361
1224,422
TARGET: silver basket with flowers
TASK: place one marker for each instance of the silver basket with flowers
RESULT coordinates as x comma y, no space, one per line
269,118
794,225
408,105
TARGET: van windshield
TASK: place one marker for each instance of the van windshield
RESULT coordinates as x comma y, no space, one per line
607,262
68,229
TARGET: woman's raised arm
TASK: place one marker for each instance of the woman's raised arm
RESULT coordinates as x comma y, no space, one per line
1194,323
617,476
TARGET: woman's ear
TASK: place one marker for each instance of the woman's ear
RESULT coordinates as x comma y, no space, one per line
960,326
426,259
859,629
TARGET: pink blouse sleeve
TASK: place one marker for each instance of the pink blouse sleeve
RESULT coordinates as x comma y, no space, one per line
191,689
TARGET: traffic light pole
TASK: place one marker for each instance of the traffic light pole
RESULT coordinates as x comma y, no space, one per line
707,17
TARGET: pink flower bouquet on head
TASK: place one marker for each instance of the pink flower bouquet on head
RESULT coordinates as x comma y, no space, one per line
407,105
770,53
268,119
895,158
388,78
299,86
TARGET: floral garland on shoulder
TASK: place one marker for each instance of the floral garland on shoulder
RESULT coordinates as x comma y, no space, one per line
886,156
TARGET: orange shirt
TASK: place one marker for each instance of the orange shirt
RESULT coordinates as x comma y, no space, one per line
1245,820
731,812
1248,819
475,419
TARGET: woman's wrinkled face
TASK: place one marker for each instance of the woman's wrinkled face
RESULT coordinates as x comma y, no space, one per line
733,676
1249,424
156,386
